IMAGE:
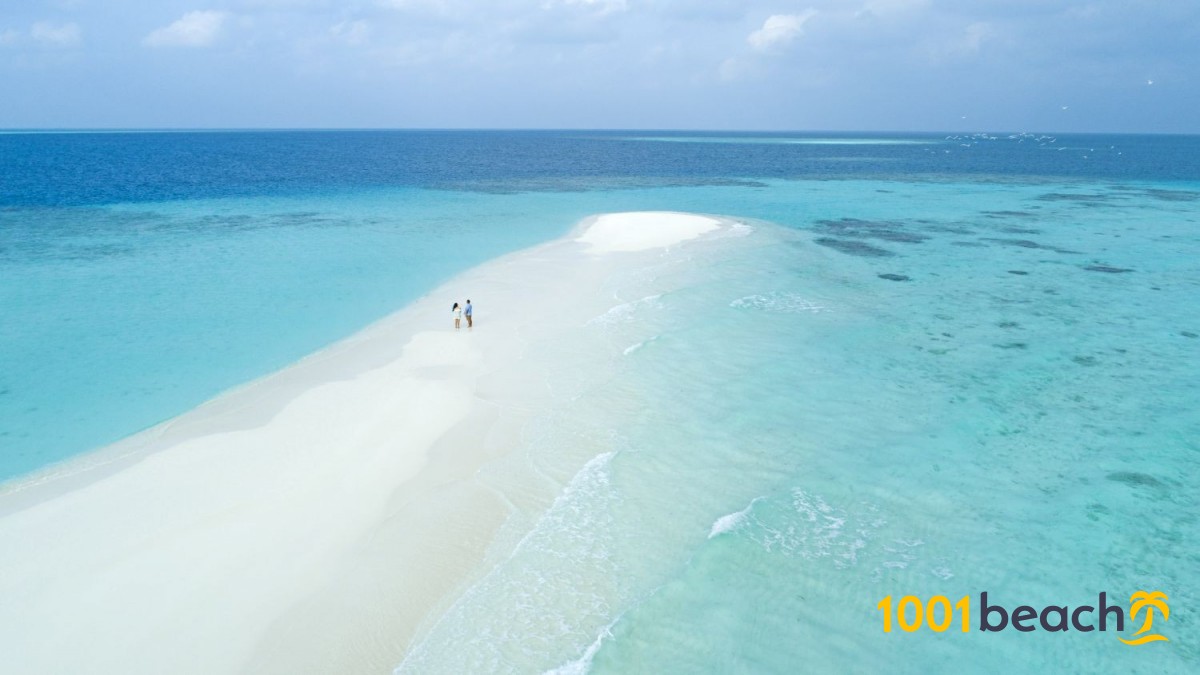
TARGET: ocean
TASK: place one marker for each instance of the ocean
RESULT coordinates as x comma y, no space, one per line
926,364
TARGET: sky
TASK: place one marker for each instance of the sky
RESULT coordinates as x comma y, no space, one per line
899,65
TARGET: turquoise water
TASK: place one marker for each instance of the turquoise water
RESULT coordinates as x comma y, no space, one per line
935,367
133,313
791,438
143,273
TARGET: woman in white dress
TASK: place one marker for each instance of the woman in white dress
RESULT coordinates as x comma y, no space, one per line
457,315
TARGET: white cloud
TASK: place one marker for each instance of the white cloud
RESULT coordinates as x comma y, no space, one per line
288,4
602,6
194,29
966,44
58,35
353,33
884,7
779,30
731,69
974,36
434,7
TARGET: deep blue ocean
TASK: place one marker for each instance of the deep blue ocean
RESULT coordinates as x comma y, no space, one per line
90,169
943,363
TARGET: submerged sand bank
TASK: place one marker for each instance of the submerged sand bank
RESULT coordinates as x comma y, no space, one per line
311,520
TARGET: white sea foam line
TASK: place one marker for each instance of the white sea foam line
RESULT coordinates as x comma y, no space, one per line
813,529
583,664
592,471
623,311
784,303
633,348
942,572
731,521
733,231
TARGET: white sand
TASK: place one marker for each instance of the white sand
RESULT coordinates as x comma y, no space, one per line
642,230
309,521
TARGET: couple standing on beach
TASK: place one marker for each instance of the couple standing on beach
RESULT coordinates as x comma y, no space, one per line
458,314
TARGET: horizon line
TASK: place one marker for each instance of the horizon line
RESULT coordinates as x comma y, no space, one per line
98,130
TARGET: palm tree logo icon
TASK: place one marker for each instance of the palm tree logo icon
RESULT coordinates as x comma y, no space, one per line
1149,602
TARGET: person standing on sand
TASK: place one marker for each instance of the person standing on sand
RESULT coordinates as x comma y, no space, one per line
457,315
468,313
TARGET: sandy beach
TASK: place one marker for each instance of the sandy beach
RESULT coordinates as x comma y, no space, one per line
312,520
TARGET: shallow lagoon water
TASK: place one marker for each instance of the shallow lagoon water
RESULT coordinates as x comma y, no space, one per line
795,438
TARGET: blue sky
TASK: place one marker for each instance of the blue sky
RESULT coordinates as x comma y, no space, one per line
1008,65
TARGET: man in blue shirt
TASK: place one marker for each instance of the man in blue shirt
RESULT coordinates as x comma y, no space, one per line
467,312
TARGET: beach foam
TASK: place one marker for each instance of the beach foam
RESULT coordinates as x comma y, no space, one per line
583,664
731,521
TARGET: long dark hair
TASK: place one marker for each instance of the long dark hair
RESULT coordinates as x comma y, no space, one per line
454,307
